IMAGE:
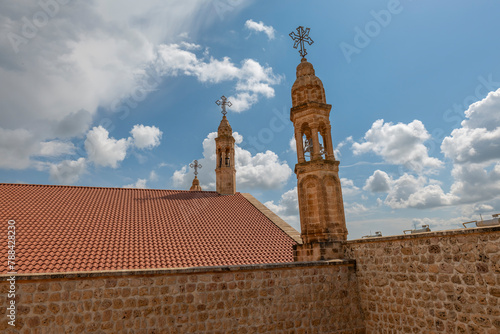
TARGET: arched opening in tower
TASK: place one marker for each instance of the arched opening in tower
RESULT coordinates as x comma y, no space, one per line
307,143
322,150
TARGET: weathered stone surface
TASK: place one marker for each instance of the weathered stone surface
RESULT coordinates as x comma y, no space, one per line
318,297
456,285
321,207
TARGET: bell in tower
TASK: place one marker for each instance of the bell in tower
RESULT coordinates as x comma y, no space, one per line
225,171
321,207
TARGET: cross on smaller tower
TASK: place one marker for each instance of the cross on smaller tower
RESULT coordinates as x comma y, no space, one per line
300,38
223,104
195,165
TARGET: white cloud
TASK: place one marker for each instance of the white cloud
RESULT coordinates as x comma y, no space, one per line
252,79
474,210
263,170
473,148
105,151
16,147
293,144
108,152
287,208
180,178
402,189
379,181
260,27
140,184
475,152
473,183
146,136
153,176
437,224
67,171
55,148
399,144
336,151
354,209
348,187
478,140
88,55
417,192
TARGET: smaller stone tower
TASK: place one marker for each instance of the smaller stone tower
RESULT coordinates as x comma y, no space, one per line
196,183
225,170
321,207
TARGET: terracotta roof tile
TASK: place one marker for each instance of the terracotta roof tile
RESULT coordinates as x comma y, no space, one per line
66,228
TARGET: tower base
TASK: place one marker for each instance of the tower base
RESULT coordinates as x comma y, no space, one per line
318,251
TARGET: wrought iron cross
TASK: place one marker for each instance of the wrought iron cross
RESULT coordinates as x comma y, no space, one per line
195,165
223,104
301,38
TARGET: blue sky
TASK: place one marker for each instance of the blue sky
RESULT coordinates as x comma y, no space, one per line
122,93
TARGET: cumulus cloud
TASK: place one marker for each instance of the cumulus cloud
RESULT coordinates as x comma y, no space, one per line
180,179
399,144
252,79
473,148
55,148
153,176
340,145
260,27
293,144
354,209
348,187
263,170
417,192
140,184
67,171
146,136
436,224
474,210
378,182
108,152
474,183
287,208
16,147
105,151
88,55
478,139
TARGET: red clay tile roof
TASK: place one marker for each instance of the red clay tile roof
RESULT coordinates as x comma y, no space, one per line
66,228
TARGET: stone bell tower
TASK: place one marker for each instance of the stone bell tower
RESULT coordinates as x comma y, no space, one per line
321,206
225,171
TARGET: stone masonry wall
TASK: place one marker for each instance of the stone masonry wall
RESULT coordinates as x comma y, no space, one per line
275,298
435,282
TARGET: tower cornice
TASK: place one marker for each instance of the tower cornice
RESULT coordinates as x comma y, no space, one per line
310,108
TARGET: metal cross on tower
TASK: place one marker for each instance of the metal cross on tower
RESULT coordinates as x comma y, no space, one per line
300,38
223,104
195,165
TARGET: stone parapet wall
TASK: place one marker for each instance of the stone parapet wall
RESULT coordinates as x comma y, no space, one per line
434,282
314,297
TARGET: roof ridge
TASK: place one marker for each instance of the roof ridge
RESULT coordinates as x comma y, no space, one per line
95,187
283,225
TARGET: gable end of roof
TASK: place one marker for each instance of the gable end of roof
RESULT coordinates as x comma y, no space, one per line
283,225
